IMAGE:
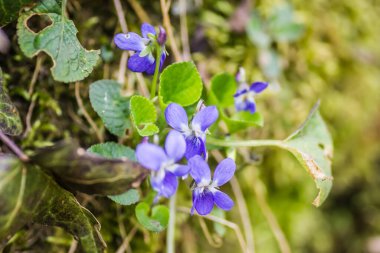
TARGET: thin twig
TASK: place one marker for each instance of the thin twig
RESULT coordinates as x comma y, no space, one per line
85,113
120,15
270,217
122,67
73,246
5,139
170,234
224,222
207,234
35,75
168,26
184,30
126,241
141,14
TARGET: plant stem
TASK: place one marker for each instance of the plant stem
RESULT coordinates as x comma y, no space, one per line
156,71
249,143
170,242
13,147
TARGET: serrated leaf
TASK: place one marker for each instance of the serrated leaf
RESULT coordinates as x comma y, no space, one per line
9,9
71,62
86,172
223,88
157,221
312,145
112,108
28,195
113,150
241,120
180,83
10,122
143,114
130,197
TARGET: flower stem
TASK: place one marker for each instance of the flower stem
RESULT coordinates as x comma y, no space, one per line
13,147
170,245
156,72
249,143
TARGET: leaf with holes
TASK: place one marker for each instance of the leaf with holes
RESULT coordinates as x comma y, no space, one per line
71,62
312,145
157,221
28,195
10,9
143,114
112,108
180,83
10,122
86,172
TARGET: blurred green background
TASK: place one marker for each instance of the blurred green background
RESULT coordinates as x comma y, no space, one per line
332,53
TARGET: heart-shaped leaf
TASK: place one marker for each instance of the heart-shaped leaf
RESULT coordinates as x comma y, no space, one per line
157,221
180,83
86,172
28,195
143,114
113,109
71,62
10,122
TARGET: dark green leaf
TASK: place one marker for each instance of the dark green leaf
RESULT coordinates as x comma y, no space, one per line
86,172
223,88
29,195
10,122
144,114
312,145
157,221
130,197
113,150
71,62
10,8
112,108
180,83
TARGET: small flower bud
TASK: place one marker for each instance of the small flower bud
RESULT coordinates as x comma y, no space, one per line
240,76
161,38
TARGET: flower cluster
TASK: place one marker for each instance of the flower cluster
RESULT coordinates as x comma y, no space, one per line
143,60
244,97
188,140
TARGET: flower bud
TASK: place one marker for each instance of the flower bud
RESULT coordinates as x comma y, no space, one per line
161,38
240,76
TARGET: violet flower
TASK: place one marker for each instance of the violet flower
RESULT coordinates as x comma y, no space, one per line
144,47
163,163
206,191
194,133
244,97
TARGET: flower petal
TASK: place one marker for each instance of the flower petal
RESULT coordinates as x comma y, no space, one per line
222,200
205,118
150,156
138,64
179,170
176,117
147,28
224,172
204,202
194,146
130,41
199,169
258,87
167,186
240,92
152,68
175,145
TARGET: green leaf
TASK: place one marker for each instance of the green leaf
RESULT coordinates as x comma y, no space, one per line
130,197
71,62
28,195
223,88
289,32
256,32
312,145
242,120
113,150
112,108
86,172
9,9
180,83
143,114
158,220
10,122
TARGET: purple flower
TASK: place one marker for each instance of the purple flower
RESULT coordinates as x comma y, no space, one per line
194,133
205,192
143,60
163,163
244,97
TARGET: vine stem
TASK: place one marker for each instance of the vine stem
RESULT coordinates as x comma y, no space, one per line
170,233
249,143
156,71
10,144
